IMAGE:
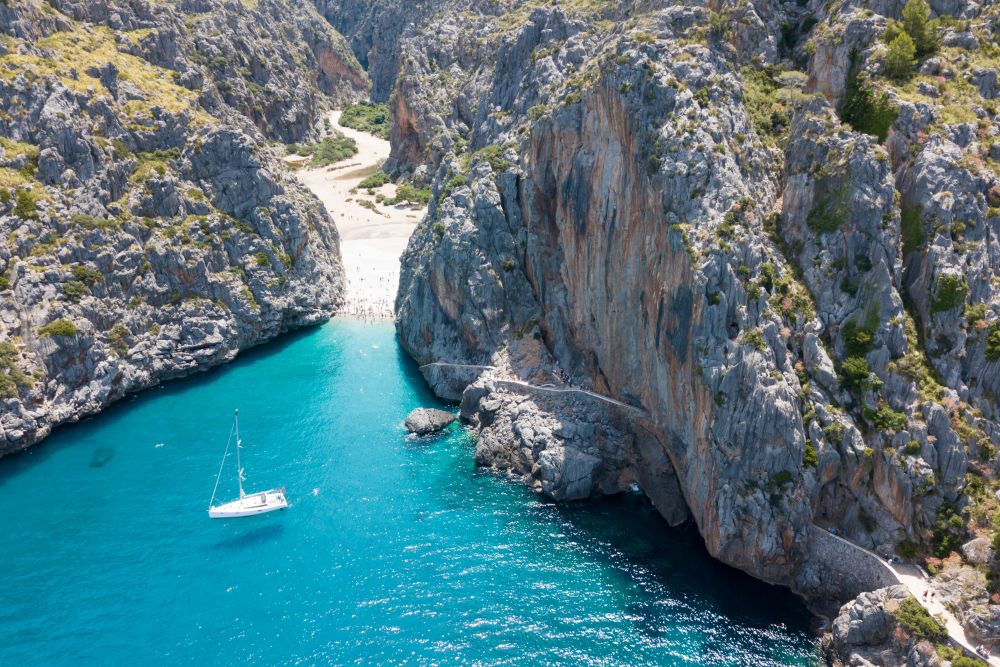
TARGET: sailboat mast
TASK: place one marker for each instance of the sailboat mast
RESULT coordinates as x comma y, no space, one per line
239,467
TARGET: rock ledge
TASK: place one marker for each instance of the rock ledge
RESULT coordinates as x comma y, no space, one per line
423,421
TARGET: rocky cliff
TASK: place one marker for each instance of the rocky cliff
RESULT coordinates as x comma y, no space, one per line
731,219
150,230
375,30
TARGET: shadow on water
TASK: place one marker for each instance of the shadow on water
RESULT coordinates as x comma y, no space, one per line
248,537
102,456
627,533
415,379
65,434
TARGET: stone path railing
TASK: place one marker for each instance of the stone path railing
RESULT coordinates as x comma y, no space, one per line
917,582
514,384
444,364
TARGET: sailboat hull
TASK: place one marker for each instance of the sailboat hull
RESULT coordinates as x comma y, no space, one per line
250,505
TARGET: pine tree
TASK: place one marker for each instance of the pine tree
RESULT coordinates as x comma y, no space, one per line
901,58
916,15
24,205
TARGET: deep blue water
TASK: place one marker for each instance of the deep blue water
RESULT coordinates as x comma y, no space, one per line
394,551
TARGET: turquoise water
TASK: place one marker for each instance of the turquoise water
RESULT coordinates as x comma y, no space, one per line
394,551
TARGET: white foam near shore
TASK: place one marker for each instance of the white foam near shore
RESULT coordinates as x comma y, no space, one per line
372,236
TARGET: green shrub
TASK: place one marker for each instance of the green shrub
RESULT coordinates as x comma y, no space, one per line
911,615
262,259
974,313
407,193
858,340
857,373
778,480
993,344
887,419
948,531
368,117
456,181
12,378
537,111
24,205
809,458
900,60
912,448
117,337
333,149
59,327
87,275
862,108
494,155
765,104
376,180
831,209
75,290
912,229
907,549
950,293
755,339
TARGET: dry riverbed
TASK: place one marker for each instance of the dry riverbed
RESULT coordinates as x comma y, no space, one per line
372,235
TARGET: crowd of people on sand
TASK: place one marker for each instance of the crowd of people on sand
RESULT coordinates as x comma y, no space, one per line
369,307
369,311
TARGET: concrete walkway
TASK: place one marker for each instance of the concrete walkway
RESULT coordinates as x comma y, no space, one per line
551,388
918,583
572,390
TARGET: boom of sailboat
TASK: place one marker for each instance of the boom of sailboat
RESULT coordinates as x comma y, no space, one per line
252,504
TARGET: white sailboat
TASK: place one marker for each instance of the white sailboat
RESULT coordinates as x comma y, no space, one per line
251,504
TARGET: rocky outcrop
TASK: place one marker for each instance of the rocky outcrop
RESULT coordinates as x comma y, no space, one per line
150,230
424,421
963,589
570,444
867,632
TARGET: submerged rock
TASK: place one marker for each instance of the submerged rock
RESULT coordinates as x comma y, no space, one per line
428,420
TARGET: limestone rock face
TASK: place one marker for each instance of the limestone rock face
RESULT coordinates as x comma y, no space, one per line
151,232
616,209
578,244
375,30
423,421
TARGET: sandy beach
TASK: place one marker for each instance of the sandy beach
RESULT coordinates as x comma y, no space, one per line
372,235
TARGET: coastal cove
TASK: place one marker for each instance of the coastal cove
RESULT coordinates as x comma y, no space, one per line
394,550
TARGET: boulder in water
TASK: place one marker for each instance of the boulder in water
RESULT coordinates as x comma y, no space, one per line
427,420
